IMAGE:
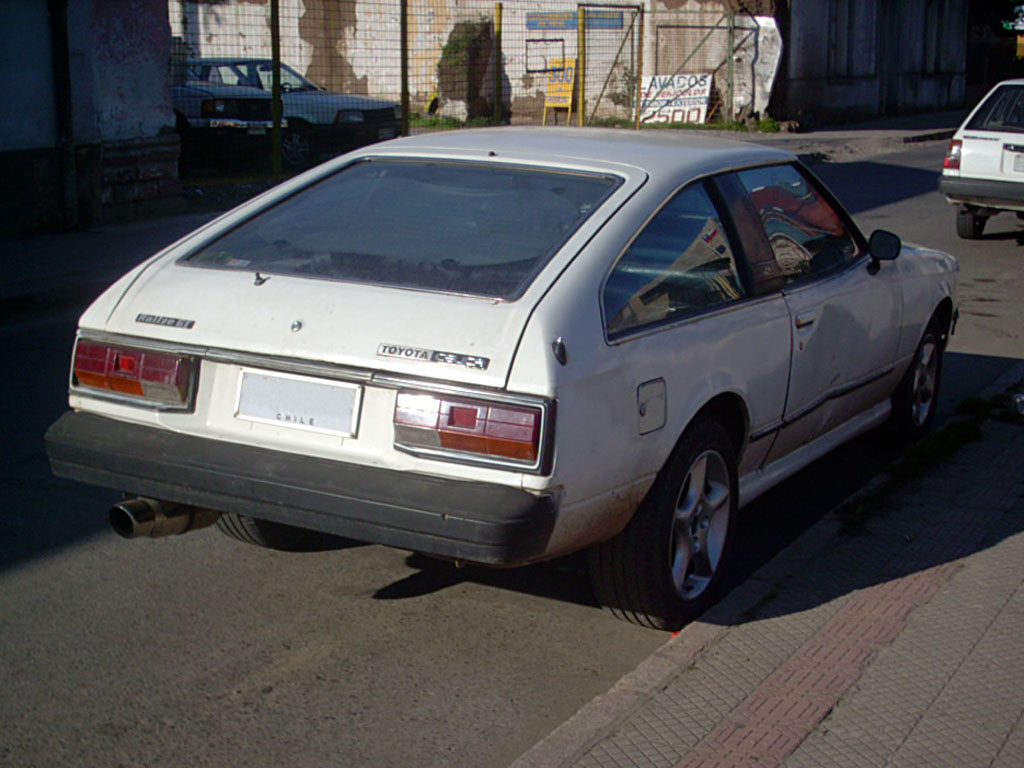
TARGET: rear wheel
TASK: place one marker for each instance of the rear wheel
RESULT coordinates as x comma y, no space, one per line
969,225
265,533
673,560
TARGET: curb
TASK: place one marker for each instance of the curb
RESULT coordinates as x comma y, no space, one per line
933,136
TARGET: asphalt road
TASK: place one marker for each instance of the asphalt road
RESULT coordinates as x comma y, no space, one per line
201,651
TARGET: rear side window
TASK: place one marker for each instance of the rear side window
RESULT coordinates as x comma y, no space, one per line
475,229
682,262
807,235
1003,110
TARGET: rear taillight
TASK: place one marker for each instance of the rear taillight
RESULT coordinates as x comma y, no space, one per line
952,160
468,427
153,376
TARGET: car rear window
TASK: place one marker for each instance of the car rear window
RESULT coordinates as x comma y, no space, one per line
469,228
1003,110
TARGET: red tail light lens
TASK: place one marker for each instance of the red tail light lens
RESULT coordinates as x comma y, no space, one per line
155,376
952,160
477,427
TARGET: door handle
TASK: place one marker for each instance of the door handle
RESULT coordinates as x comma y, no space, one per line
805,319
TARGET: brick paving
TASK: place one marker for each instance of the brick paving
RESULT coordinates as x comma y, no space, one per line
898,647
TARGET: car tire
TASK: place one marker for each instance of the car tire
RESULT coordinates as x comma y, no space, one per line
265,533
969,225
916,398
298,148
674,558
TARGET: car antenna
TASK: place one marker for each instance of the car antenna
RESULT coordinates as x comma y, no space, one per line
260,279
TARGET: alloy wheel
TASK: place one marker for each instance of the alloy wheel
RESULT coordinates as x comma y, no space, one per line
700,525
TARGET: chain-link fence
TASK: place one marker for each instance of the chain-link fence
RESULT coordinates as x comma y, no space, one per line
300,79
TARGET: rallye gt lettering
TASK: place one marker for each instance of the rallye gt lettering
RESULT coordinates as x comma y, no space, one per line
171,322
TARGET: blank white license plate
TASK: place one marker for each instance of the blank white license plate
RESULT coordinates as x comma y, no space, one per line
299,402
1018,162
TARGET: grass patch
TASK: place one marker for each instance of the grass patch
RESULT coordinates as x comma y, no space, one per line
928,453
765,125
441,122
937,447
918,459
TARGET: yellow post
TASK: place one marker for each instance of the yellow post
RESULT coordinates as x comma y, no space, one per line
403,57
497,64
640,70
581,61
276,107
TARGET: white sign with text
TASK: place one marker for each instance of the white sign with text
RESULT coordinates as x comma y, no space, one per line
676,98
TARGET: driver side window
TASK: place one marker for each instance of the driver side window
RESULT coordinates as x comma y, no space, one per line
806,234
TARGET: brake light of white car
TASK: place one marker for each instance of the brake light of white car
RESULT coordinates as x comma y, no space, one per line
432,423
156,377
952,160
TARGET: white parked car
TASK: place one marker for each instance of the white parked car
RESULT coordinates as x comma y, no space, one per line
503,345
983,173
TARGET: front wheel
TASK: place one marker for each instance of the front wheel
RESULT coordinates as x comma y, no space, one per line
915,400
673,559
298,149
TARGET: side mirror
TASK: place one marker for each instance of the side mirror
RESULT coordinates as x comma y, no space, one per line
884,246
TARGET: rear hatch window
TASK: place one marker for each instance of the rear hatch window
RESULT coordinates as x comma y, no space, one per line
1003,110
468,228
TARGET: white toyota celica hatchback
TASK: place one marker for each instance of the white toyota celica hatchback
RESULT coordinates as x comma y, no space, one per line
503,345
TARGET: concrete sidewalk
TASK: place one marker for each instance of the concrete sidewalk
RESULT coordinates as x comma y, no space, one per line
890,641
74,267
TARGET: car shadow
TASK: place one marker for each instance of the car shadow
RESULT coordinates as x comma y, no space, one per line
863,184
1017,235
767,526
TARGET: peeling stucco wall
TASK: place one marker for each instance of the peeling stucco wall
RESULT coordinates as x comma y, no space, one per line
109,150
240,28
131,50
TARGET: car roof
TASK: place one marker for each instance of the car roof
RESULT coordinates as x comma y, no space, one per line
658,152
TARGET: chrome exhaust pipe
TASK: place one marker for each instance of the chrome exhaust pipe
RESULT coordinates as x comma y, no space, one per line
135,518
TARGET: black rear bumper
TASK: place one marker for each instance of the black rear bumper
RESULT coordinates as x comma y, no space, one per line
983,192
472,521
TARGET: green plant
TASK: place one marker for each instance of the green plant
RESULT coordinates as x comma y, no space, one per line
626,93
441,122
918,459
456,51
